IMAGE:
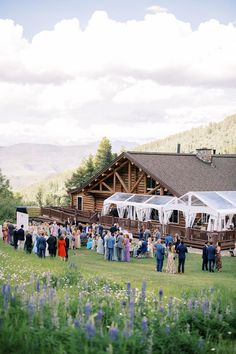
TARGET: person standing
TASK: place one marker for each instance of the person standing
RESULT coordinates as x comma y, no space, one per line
218,257
110,246
119,246
170,267
205,257
21,237
211,254
52,245
15,238
126,248
67,241
28,243
160,253
61,247
41,246
181,250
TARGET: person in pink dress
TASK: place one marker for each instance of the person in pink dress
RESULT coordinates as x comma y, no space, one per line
126,248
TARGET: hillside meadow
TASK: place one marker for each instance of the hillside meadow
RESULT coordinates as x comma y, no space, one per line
89,305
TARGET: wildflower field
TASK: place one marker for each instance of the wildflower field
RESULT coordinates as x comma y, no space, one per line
89,305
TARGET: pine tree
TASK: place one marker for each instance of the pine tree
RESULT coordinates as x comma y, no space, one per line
104,154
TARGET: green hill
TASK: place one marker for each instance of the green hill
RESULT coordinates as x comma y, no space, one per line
219,136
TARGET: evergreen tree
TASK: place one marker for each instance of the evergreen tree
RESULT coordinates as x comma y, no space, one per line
8,201
104,154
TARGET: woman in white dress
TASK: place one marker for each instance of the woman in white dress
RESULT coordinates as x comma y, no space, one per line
100,247
150,247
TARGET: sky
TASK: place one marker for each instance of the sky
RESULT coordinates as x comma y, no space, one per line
73,71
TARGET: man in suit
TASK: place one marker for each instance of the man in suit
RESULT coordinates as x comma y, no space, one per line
181,250
211,254
21,237
160,253
205,257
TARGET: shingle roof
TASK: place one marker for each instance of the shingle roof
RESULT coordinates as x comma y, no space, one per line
182,173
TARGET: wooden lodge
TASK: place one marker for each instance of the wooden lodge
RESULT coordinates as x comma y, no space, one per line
172,174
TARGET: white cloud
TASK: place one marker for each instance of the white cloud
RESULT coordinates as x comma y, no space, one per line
156,8
72,85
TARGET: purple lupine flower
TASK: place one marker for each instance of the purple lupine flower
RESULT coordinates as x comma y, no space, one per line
113,333
143,290
190,304
77,323
128,328
133,292
128,288
160,294
87,309
144,325
170,306
99,315
168,329
131,309
162,309
205,307
30,308
90,330
155,302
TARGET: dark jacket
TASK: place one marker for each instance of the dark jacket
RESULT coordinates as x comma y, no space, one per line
67,242
160,251
21,234
211,253
28,241
52,243
204,252
41,243
182,250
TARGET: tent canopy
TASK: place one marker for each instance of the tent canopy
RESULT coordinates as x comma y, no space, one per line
139,205
217,205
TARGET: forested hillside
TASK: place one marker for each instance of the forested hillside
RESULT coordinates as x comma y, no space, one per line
220,136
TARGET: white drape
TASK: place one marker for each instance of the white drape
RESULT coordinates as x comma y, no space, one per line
212,223
167,215
121,210
105,209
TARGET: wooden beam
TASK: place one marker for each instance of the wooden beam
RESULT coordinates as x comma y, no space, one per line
137,182
100,192
129,176
154,189
110,174
161,191
121,181
108,187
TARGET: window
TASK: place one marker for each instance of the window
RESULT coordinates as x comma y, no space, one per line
205,218
174,219
155,215
151,183
80,203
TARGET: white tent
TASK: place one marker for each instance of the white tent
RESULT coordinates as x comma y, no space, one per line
217,205
138,206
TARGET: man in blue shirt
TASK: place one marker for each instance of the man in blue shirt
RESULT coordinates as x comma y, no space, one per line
211,255
110,246
160,253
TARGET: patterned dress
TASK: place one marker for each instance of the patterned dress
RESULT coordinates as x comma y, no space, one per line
218,259
170,267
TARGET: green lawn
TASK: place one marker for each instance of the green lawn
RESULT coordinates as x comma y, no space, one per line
16,266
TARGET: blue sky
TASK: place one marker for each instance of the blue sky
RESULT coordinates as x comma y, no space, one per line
74,71
38,15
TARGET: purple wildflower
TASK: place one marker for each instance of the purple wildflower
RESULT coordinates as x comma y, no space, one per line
99,315
170,306
131,309
77,323
113,333
168,329
205,307
160,294
143,290
30,308
162,309
144,325
128,328
155,302
87,309
190,304
90,330
128,288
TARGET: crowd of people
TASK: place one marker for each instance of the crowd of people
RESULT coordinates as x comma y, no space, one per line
114,244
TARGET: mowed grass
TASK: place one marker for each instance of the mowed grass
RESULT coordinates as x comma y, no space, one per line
18,266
